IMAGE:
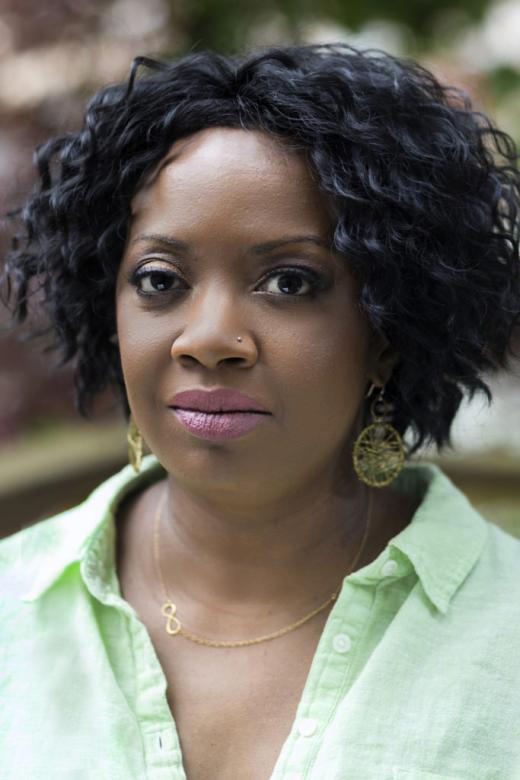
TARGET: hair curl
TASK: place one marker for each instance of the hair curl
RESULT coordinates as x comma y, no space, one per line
426,194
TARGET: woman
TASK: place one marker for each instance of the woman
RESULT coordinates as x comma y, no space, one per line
283,263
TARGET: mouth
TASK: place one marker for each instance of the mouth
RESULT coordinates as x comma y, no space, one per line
221,425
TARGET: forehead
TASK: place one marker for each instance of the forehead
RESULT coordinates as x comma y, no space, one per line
247,173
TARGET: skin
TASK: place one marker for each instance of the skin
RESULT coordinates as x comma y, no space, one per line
258,530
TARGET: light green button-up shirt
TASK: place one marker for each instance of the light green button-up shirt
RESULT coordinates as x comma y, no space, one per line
416,675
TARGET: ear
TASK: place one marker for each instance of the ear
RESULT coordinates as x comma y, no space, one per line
383,360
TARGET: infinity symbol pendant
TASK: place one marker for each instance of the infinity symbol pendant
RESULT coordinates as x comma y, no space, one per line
173,625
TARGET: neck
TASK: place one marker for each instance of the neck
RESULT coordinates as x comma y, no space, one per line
283,550
235,571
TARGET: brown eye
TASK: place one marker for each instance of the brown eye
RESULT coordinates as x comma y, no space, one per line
153,281
294,282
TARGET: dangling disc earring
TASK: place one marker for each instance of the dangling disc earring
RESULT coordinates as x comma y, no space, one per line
135,445
379,451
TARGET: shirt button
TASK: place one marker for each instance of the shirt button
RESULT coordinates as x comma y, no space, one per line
341,643
389,568
307,727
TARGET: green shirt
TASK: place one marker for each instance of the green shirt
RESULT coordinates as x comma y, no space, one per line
416,675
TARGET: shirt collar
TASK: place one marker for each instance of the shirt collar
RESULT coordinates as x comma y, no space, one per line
85,534
442,543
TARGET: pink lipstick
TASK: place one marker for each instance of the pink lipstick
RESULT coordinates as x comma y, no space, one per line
219,425
217,414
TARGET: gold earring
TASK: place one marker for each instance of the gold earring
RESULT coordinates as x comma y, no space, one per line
379,451
135,445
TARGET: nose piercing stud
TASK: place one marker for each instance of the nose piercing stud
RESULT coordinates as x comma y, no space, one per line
239,338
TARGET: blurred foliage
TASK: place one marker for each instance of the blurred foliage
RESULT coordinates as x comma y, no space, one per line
503,80
420,15
222,25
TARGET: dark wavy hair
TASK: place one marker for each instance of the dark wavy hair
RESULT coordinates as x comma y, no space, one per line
425,190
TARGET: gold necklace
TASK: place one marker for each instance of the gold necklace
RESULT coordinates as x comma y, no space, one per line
169,609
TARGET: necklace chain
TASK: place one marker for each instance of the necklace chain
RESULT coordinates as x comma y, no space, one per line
169,609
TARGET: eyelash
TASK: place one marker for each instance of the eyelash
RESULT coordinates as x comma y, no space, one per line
316,282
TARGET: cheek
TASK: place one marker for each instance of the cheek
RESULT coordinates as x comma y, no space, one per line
142,347
326,370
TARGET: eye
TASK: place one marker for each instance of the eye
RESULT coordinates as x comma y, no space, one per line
294,281
153,281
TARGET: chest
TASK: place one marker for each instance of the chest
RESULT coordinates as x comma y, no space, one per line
235,707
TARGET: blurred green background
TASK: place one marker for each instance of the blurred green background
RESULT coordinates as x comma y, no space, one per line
54,54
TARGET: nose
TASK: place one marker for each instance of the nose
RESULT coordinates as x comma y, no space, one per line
210,335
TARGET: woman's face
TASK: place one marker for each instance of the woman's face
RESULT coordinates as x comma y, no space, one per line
236,233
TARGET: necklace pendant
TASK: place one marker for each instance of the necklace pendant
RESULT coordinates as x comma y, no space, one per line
173,624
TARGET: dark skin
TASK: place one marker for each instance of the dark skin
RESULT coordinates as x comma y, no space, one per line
257,531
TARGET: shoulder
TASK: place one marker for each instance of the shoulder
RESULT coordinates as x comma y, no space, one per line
485,611
42,551
23,552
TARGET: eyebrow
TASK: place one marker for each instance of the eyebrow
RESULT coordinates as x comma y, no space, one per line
258,249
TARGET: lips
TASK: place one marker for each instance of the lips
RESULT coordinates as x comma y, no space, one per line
219,426
215,401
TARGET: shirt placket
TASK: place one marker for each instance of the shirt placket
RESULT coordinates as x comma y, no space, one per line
330,677
160,740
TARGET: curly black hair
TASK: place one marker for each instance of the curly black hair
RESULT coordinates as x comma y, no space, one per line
425,191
